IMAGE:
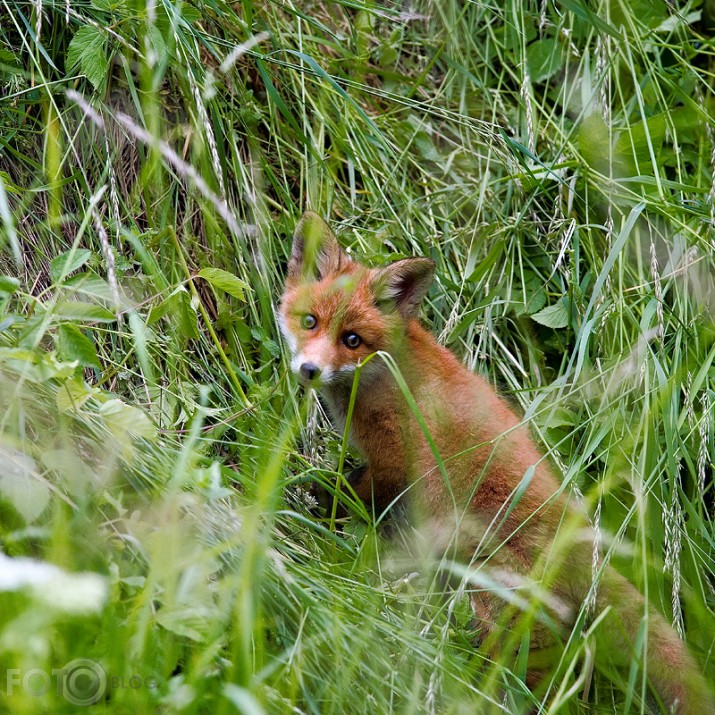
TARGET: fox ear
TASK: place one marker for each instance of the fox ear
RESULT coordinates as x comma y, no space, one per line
315,251
404,284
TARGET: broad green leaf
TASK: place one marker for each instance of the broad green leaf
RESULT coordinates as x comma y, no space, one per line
8,285
169,306
534,293
123,419
68,262
543,58
82,312
87,51
76,475
50,368
21,484
187,621
180,312
225,281
189,13
157,41
18,354
553,316
73,344
35,366
73,393
90,284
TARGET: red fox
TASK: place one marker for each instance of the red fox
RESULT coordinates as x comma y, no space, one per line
468,463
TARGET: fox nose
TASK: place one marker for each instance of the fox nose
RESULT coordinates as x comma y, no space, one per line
309,371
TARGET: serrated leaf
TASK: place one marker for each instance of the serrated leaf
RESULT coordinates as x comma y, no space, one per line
87,51
68,262
225,281
82,312
553,316
73,344
95,66
157,42
85,37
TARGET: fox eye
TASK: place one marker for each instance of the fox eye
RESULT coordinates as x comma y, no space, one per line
352,340
308,321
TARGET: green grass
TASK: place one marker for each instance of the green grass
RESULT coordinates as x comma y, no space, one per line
556,160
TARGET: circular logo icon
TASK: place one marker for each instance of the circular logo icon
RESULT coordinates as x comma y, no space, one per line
84,681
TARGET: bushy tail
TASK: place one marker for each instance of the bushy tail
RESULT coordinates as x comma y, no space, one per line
670,668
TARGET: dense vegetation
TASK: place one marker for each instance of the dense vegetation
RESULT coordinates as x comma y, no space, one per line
556,160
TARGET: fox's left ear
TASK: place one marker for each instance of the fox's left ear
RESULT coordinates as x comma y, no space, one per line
315,252
404,284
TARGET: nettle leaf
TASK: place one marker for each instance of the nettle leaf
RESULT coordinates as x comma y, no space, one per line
73,344
87,50
553,316
225,281
68,262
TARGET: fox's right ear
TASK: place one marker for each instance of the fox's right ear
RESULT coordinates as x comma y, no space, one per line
315,251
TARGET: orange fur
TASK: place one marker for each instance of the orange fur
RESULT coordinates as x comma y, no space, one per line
485,449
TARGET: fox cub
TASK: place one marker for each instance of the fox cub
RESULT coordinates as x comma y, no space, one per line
482,479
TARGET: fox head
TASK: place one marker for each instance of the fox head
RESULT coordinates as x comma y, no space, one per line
336,311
